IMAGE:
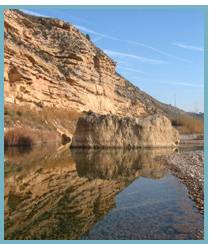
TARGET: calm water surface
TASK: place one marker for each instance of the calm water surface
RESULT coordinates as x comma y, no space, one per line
95,194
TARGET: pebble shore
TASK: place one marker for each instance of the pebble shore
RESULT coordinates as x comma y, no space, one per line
189,168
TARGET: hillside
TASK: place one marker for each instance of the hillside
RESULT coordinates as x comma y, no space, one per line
49,65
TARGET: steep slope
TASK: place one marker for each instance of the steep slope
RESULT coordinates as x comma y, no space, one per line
49,63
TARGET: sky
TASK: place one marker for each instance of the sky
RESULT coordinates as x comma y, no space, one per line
160,50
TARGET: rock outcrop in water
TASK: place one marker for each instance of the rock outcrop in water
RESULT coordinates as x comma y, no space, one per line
103,131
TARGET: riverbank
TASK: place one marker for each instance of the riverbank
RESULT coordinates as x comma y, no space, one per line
189,168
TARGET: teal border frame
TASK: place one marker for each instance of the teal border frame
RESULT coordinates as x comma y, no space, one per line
204,8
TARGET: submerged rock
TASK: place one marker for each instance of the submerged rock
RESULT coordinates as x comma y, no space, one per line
99,131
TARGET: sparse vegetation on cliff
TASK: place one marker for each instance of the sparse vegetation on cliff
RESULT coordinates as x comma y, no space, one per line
88,37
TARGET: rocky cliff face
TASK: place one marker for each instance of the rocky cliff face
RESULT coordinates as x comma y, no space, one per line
103,131
49,63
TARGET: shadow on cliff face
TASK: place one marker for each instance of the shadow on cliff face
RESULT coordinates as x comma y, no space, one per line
51,194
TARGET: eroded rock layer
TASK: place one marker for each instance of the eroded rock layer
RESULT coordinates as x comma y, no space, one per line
50,63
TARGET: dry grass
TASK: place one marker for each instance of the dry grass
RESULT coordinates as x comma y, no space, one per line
27,137
188,124
33,127
18,137
46,118
23,115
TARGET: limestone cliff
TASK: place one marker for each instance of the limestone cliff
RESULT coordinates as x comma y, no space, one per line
50,63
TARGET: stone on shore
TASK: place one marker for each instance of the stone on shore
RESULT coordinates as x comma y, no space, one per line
103,131
189,167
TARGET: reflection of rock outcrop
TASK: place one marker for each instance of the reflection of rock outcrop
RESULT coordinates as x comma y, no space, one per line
53,202
49,199
103,131
119,163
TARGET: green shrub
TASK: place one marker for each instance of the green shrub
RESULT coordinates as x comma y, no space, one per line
88,37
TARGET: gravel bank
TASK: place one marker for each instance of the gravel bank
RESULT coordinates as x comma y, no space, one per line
189,167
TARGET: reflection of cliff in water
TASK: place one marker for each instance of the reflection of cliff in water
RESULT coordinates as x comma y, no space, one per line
52,195
119,164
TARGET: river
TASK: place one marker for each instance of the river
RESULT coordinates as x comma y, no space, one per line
57,193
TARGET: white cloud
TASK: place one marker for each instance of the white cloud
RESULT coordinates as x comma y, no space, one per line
27,11
85,29
191,47
175,83
130,69
172,83
101,36
66,12
159,51
142,59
